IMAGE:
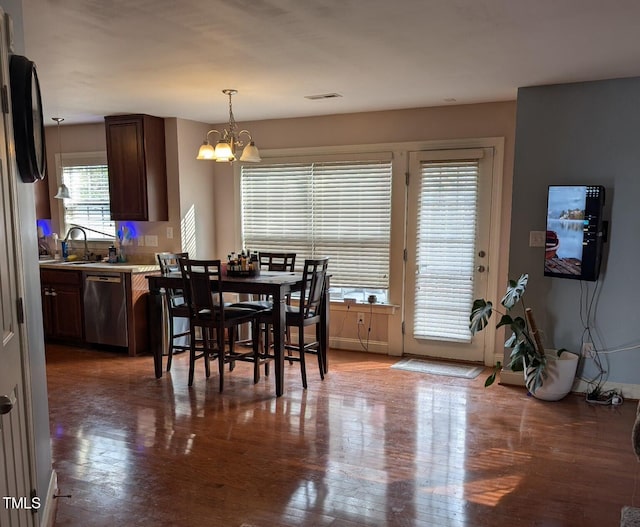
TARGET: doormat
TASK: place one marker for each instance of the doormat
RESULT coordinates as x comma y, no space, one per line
467,371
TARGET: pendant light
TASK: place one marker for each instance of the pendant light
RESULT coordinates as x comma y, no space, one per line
63,191
225,148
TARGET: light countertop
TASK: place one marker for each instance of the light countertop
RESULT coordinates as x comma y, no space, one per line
80,265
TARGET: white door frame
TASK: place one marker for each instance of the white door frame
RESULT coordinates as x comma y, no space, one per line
493,261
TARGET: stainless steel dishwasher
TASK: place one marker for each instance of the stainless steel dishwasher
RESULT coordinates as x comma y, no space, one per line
105,309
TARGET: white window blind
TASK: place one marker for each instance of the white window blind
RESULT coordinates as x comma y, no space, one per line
339,209
446,248
89,204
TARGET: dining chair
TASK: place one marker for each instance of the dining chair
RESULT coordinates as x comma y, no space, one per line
307,313
176,308
207,311
269,261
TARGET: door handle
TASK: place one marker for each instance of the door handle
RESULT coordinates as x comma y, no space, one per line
481,268
5,405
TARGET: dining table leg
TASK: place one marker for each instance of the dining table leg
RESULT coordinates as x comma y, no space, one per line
279,323
324,325
155,313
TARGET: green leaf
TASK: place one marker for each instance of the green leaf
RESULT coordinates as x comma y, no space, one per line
480,315
515,290
491,379
505,320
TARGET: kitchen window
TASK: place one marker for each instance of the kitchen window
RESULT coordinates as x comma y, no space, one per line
86,177
331,206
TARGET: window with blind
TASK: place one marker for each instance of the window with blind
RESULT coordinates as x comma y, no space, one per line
87,178
445,244
335,208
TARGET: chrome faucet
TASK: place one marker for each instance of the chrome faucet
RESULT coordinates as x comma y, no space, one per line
76,228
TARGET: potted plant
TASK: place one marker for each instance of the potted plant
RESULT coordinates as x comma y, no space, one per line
527,353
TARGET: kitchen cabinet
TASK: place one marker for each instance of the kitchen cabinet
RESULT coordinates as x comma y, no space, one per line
62,304
137,167
66,309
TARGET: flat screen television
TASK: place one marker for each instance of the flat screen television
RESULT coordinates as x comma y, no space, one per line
574,231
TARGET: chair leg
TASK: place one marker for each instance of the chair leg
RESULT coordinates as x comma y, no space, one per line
319,352
207,352
221,357
266,346
192,355
255,331
303,369
170,352
232,336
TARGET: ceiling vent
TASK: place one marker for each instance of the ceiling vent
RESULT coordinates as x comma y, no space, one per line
322,96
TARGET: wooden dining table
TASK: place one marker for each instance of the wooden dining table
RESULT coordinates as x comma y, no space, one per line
277,285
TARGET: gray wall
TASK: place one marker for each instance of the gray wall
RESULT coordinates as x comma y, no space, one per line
583,133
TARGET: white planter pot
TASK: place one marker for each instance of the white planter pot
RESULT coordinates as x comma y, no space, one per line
561,372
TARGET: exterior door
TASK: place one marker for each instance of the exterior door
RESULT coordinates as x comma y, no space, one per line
448,227
15,478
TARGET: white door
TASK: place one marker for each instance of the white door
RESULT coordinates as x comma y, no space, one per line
15,480
448,227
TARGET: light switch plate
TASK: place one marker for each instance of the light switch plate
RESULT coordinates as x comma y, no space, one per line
537,238
141,242
169,233
151,240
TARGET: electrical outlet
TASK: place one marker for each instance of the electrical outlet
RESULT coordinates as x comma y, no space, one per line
587,349
360,318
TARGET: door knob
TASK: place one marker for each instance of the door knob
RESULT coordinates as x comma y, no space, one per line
5,405
481,268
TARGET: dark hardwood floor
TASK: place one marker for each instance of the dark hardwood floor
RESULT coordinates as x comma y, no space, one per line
369,445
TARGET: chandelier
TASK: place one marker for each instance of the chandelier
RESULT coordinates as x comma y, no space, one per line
225,149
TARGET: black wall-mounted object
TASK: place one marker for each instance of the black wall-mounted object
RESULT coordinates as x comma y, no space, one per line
28,126
575,231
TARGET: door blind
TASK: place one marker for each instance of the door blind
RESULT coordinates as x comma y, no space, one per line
445,249
337,209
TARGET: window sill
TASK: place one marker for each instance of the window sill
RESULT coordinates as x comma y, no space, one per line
384,309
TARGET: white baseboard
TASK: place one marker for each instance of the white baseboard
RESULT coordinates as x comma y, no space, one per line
512,378
628,391
48,512
373,346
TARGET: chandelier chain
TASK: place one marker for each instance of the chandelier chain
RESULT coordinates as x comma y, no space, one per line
232,121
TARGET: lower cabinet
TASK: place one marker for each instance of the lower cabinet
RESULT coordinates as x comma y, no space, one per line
63,308
62,304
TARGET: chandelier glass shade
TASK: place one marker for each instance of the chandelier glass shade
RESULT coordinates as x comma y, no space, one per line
229,142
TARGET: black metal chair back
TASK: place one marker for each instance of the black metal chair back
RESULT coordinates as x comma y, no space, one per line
175,304
169,262
202,288
307,313
274,261
202,281
313,278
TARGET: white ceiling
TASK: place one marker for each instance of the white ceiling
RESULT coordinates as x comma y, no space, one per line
172,58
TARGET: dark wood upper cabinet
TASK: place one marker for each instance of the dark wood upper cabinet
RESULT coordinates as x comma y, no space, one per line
137,167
